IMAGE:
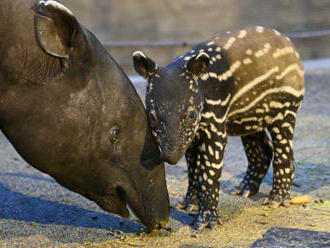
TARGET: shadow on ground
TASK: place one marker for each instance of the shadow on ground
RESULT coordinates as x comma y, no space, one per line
292,237
308,178
51,219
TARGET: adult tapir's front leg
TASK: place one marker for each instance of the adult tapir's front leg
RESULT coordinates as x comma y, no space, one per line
208,186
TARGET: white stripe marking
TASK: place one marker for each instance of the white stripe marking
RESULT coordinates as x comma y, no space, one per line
288,126
283,89
210,149
229,43
213,75
274,104
217,166
246,120
226,101
293,67
209,115
260,29
279,117
247,61
283,51
213,102
254,83
263,51
220,145
218,102
289,112
230,72
215,130
242,34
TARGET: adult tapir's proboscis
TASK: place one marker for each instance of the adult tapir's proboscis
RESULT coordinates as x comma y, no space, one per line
71,112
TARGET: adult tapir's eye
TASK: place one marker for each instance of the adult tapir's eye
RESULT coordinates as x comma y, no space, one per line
114,134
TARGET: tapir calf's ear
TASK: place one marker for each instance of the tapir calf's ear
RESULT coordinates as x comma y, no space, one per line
143,65
199,64
55,25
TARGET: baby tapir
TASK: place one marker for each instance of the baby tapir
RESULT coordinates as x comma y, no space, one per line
71,112
247,83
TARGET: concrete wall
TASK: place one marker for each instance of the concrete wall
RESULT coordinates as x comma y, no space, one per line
161,20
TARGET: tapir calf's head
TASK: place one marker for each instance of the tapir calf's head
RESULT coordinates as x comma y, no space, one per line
174,101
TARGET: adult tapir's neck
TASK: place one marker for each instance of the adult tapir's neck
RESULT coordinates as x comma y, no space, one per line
13,13
6,7
22,59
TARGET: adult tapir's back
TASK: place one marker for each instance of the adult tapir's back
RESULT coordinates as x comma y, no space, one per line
71,112
254,70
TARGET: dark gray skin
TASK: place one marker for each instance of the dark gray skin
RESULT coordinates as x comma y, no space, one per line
71,112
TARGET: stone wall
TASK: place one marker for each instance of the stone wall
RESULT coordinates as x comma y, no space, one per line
163,20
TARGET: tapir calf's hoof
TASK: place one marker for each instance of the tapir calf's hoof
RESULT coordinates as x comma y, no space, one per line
275,203
246,188
200,224
189,205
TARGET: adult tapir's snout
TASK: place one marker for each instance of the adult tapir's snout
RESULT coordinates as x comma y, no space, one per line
139,180
157,212
154,210
145,187
71,112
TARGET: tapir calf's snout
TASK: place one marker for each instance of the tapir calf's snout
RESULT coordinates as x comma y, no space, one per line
170,156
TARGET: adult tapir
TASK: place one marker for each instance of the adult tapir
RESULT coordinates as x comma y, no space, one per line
71,112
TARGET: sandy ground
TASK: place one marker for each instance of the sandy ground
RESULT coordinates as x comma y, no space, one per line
36,212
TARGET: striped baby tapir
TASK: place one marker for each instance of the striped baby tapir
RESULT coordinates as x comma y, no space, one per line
247,83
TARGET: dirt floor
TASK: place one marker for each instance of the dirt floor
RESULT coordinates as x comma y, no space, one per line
244,220
240,231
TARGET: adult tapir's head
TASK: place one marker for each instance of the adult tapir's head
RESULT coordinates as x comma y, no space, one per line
174,101
71,112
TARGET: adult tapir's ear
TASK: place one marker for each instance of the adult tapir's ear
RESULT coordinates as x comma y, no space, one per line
143,65
55,26
199,64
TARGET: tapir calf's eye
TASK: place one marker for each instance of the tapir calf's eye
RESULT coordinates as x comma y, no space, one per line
192,115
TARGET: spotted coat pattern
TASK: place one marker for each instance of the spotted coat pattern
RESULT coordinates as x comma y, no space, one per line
253,88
